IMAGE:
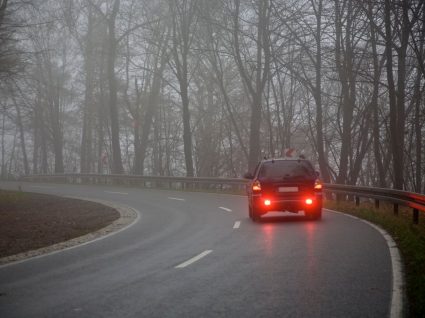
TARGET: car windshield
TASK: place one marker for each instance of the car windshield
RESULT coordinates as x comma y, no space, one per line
286,170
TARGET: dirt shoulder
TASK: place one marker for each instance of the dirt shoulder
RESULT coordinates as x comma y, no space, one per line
30,221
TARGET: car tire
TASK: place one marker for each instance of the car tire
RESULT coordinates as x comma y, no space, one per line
254,215
315,214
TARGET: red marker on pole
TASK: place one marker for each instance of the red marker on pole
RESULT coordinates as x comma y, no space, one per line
289,152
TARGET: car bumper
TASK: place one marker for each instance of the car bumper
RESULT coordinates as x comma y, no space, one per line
286,204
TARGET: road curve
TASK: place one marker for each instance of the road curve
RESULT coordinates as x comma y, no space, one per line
198,255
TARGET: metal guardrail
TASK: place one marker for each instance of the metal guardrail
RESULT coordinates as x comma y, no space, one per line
416,201
413,200
178,183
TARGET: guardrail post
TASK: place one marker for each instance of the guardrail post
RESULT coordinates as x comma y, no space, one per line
357,201
395,209
415,216
376,204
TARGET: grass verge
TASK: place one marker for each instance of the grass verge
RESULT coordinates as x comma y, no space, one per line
29,221
410,239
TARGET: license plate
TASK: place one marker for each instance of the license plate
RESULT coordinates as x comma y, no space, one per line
288,189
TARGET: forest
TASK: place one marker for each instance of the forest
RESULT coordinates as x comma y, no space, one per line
207,88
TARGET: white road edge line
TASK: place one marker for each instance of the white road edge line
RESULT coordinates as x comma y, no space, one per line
225,209
115,192
178,199
194,259
237,224
396,310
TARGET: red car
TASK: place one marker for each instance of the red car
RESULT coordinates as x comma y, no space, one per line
284,185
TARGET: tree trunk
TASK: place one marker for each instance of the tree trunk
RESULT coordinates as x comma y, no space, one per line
57,132
151,106
182,20
117,167
344,63
137,165
255,87
374,103
44,154
218,70
400,98
3,131
22,138
187,134
58,144
323,164
3,6
417,126
87,133
397,96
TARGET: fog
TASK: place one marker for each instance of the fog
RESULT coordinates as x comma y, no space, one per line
209,87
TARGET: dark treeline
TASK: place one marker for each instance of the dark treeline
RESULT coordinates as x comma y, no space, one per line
207,88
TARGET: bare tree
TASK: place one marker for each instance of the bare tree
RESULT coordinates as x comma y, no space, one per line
254,76
87,155
117,166
159,62
309,38
203,87
397,92
10,56
184,20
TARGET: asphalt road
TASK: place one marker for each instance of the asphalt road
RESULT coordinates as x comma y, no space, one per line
198,255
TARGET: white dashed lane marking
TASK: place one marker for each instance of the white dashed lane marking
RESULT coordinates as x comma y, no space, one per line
41,187
177,199
237,224
194,259
225,209
114,192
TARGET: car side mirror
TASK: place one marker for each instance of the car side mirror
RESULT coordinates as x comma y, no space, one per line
248,175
